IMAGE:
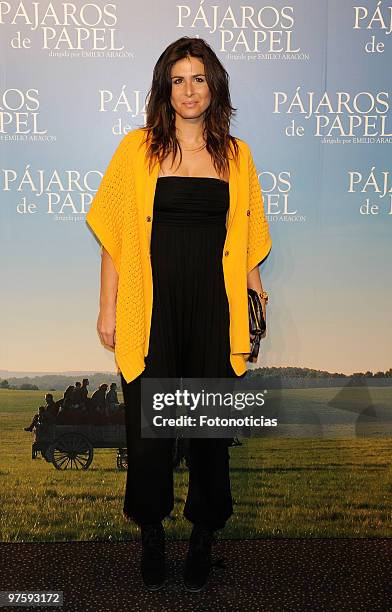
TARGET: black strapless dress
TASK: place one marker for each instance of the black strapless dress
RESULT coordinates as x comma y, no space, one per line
189,337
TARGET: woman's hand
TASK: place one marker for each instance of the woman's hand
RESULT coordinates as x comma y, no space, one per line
106,326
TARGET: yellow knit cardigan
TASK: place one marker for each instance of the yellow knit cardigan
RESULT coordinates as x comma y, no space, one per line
121,216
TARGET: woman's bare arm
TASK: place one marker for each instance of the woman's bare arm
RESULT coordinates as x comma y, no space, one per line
106,323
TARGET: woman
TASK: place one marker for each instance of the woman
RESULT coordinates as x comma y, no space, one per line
174,292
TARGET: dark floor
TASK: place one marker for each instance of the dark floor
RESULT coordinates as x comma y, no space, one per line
268,575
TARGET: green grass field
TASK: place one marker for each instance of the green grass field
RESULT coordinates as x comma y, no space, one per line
281,487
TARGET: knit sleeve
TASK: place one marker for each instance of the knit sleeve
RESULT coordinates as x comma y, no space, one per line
259,239
106,213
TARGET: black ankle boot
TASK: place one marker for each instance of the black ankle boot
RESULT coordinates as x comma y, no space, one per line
152,566
198,560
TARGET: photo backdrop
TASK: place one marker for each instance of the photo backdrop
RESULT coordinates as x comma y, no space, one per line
311,82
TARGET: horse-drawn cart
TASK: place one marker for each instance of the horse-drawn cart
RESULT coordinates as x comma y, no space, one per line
70,446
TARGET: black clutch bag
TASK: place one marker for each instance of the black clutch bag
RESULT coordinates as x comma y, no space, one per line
257,325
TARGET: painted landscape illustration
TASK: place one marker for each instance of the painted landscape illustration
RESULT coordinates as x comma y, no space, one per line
325,472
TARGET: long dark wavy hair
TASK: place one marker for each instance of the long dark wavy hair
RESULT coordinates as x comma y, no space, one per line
160,122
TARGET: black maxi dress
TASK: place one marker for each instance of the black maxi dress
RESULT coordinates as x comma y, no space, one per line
189,337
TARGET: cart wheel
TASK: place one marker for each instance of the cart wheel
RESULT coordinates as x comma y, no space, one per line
71,450
122,459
